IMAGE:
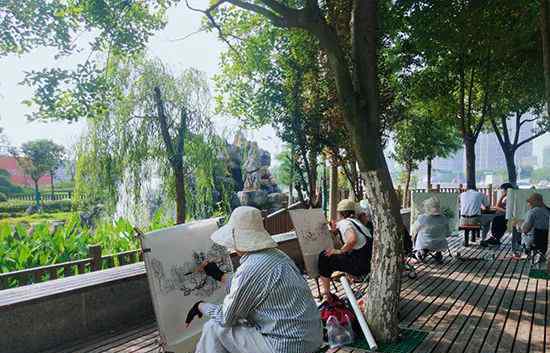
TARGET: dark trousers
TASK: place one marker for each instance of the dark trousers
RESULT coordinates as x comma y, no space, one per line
541,240
498,226
356,262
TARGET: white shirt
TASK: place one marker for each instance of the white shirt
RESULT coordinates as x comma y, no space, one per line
345,224
471,202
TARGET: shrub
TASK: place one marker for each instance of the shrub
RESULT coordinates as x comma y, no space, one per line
47,206
3,197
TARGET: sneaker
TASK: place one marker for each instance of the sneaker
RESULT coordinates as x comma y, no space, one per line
517,256
438,256
419,255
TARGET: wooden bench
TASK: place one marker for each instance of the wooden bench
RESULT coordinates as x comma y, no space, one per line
474,230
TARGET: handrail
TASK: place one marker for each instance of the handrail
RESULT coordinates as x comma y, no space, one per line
94,262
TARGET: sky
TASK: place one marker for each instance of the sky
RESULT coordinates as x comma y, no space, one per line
200,50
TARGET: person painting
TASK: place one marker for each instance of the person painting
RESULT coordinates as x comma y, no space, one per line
536,224
269,308
355,254
471,203
431,230
499,223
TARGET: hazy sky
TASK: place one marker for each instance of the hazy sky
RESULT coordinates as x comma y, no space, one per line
200,51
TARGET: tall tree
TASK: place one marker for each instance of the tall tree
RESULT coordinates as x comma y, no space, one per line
519,99
454,43
353,65
158,121
38,158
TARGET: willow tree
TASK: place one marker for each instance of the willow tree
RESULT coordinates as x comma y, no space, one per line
157,121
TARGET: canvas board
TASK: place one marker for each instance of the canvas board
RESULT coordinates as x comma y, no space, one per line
313,236
449,206
516,203
171,257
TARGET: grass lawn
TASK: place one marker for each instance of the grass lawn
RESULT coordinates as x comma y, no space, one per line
37,218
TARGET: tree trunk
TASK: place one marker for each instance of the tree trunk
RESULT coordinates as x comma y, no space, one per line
545,33
470,150
51,184
382,305
180,195
509,155
36,193
333,197
429,174
408,170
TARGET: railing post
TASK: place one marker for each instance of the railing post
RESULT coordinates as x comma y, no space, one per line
460,188
438,188
490,194
94,252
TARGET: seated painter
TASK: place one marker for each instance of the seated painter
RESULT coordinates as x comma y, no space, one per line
355,254
269,308
536,224
431,230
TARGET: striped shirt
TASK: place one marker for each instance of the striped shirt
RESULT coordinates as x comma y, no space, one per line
269,292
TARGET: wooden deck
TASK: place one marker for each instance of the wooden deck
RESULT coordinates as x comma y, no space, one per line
469,304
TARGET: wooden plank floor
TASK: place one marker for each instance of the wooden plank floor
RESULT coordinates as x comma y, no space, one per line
473,304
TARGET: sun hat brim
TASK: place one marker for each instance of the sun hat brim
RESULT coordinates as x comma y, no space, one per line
246,239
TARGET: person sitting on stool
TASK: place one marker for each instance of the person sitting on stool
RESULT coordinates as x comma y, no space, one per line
536,224
431,230
269,308
354,256
471,203
499,223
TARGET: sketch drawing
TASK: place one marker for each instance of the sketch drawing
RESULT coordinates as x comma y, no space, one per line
183,277
313,236
175,253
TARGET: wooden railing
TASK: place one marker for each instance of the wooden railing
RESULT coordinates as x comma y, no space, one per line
279,222
58,195
489,191
94,262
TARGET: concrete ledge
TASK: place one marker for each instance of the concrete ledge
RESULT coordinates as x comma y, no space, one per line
40,318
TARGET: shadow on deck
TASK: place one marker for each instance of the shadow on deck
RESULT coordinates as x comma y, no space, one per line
471,304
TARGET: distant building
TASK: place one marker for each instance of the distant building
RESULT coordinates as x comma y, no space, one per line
546,157
18,177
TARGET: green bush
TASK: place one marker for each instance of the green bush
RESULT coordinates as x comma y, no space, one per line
20,250
3,197
15,206
6,186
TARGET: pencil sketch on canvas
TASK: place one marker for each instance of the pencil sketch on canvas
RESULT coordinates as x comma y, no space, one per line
313,236
171,260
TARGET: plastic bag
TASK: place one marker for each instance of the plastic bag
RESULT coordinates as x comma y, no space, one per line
339,334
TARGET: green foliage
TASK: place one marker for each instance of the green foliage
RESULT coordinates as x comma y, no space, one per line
22,247
6,186
125,149
3,197
41,217
114,26
283,173
39,157
47,206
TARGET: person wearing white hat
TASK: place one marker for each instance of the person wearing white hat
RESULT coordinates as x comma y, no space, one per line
431,230
269,308
354,256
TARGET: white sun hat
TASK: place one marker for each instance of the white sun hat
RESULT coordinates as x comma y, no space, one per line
432,206
244,232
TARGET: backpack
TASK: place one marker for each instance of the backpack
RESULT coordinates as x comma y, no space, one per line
343,314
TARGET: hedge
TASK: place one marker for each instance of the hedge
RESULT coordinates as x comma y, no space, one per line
47,206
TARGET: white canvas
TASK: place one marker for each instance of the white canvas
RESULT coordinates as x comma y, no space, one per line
449,206
313,236
171,256
516,203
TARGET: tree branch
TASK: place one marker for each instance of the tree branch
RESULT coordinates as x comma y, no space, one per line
529,139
